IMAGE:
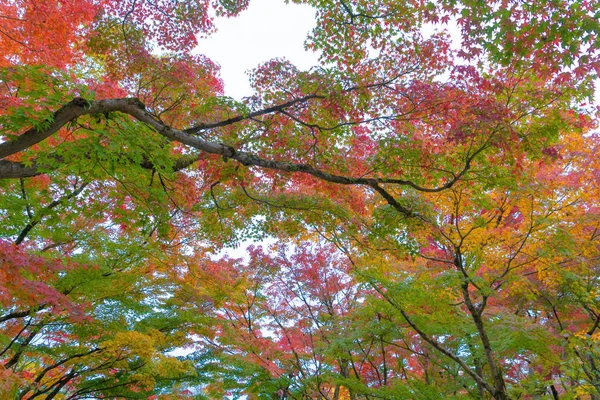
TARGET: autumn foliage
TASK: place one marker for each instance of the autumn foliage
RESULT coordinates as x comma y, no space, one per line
423,206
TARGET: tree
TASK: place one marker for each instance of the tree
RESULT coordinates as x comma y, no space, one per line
440,201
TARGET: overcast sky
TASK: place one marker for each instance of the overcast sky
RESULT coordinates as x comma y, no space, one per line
267,29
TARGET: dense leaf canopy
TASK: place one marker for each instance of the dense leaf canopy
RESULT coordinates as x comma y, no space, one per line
433,204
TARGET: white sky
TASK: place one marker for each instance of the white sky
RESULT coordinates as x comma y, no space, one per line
266,30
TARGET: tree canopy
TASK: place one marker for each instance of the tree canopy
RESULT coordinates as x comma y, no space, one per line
434,204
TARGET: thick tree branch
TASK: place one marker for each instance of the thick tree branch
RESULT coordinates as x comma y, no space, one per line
137,110
13,170
60,118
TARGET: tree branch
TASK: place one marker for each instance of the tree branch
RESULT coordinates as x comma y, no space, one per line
36,220
135,108
239,118
434,343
